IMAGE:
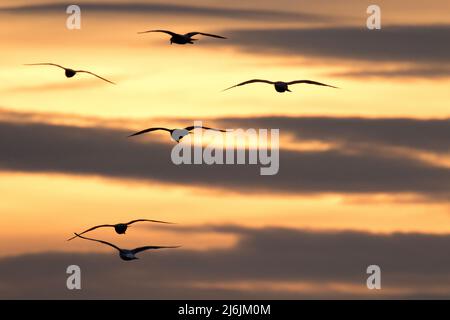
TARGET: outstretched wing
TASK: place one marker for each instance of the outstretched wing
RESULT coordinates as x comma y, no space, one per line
148,130
163,31
96,75
147,220
191,34
311,82
101,241
140,249
203,127
45,64
250,81
93,228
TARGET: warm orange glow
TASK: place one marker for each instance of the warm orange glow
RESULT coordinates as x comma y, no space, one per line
159,84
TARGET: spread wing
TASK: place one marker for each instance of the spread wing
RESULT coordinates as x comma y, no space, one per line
101,241
93,228
250,81
163,31
147,220
45,64
310,82
191,34
140,249
148,130
96,75
203,127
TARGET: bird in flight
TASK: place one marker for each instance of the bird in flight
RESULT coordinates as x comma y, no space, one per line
281,86
69,72
176,134
183,38
126,254
120,228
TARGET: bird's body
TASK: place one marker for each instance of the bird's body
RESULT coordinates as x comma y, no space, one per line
183,38
127,254
69,73
176,134
281,86
121,228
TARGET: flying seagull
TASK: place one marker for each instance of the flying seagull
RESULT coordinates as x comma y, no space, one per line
69,72
120,228
176,134
281,86
183,38
126,254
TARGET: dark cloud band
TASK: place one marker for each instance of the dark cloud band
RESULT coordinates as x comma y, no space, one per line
416,134
406,44
172,9
412,266
107,152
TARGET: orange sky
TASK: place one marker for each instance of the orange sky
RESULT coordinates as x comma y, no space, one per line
156,80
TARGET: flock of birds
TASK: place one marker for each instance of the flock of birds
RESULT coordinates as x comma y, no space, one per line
176,134
121,228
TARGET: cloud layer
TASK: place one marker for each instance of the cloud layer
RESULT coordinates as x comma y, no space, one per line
430,135
418,49
392,43
310,262
172,9
38,147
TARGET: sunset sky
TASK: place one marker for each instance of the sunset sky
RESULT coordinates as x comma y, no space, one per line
364,170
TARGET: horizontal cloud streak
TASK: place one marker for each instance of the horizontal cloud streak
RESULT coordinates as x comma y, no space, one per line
431,134
268,255
415,45
106,152
432,72
172,9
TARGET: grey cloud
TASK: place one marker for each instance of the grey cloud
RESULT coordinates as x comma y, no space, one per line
431,72
405,44
419,134
173,9
415,262
107,152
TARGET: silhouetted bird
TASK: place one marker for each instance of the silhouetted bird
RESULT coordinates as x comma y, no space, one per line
281,86
121,228
176,134
126,254
183,38
69,72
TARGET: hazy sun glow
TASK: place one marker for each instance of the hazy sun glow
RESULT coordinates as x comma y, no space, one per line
159,84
